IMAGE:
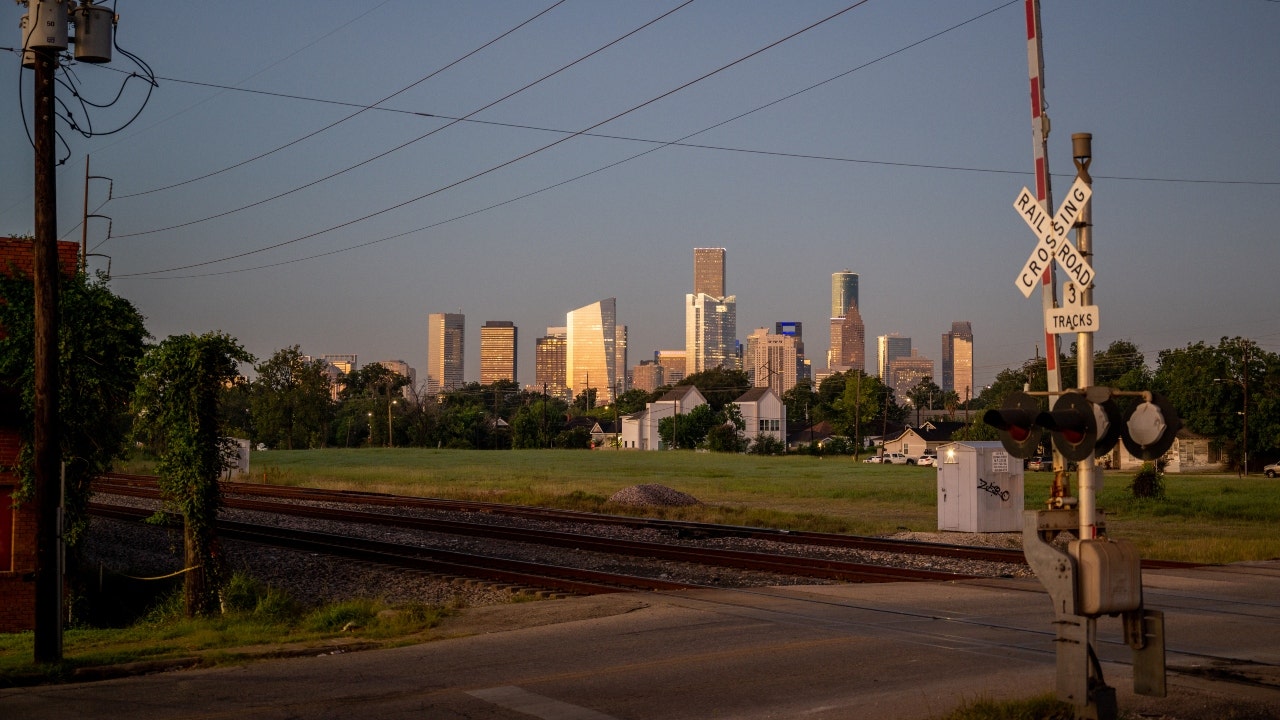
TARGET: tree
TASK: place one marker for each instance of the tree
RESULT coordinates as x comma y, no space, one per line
101,338
182,384
689,430
799,401
371,392
289,402
924,395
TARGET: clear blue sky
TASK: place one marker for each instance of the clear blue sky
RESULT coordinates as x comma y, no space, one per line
915,162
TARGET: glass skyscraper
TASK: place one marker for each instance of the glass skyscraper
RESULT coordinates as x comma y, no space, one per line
591,349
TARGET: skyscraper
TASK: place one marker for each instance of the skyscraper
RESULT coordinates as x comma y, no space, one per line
844,292
710,338
444,352
497,351
957,361
551,362
771,361
889,348
591,352
906,372
708,271
848,339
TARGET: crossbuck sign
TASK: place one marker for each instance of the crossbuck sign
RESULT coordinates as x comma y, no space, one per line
1054,244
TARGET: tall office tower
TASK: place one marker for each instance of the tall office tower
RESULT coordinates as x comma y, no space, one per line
710,332
844,292
648,376
620,358
848,342
444,352
844,295
708,271
795,329
673,364
497,351
907,372
345,363
889,348
551,362
591,354
338,367
957,361
770,361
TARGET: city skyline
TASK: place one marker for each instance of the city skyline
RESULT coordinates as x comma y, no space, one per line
888,140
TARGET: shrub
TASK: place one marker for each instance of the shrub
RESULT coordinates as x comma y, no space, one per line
1148,482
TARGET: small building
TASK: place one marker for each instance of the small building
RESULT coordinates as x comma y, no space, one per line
763,413
1190,453
640,430
980,488
912,442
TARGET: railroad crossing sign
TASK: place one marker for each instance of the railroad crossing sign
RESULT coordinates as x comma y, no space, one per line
1072,317
1054,244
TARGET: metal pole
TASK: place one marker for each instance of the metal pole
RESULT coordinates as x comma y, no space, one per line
1082,154
1044,194
84,222
48,611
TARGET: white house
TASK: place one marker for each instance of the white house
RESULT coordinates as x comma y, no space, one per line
763,413
640,430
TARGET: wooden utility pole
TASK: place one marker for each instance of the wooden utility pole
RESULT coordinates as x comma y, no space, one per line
48,615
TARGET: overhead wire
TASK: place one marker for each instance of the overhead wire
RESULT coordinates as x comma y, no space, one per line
424,136
363,108
513,160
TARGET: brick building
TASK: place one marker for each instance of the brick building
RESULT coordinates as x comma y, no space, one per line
18,524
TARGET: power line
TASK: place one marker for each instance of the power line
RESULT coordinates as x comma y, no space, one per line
420,137
362,109
519,158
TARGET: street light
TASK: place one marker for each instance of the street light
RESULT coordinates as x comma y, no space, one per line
390,438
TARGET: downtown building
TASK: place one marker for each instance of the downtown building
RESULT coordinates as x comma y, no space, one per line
771,361
889,348
444,352
904,373
710,316
591,350
848,349
498,351
551,363
957,361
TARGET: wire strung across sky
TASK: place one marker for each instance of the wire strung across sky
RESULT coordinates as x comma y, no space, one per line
524,156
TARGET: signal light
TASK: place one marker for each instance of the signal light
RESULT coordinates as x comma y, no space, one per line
1074,427
1016,422
1150,428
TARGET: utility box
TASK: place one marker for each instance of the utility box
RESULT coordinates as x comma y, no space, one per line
979,488
1110,573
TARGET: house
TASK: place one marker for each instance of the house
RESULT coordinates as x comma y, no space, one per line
763,414
912,442
1190,453
816,433
640,430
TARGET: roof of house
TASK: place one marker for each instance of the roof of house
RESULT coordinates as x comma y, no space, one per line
755,394
680,393
939,431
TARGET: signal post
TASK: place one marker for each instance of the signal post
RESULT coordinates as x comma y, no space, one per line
1091,575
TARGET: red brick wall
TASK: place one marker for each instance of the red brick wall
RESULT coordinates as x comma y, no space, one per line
18,549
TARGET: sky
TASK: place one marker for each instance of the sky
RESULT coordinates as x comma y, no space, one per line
890,140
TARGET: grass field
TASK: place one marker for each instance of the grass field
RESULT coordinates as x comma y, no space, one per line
1203,518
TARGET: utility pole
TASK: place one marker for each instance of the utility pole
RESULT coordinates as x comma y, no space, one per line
48,615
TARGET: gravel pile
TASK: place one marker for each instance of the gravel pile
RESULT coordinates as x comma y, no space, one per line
651,495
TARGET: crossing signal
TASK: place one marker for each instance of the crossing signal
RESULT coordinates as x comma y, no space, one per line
1150,428
1074,427
1016,423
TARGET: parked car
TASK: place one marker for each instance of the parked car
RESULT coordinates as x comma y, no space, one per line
924,461
1038,464
1271,470
874,459
894,458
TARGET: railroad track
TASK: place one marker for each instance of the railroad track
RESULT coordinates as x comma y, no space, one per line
440,562
126,484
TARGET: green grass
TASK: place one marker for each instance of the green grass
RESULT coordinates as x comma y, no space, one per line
1202,518
260,621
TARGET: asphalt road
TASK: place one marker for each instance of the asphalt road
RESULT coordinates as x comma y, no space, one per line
902,651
